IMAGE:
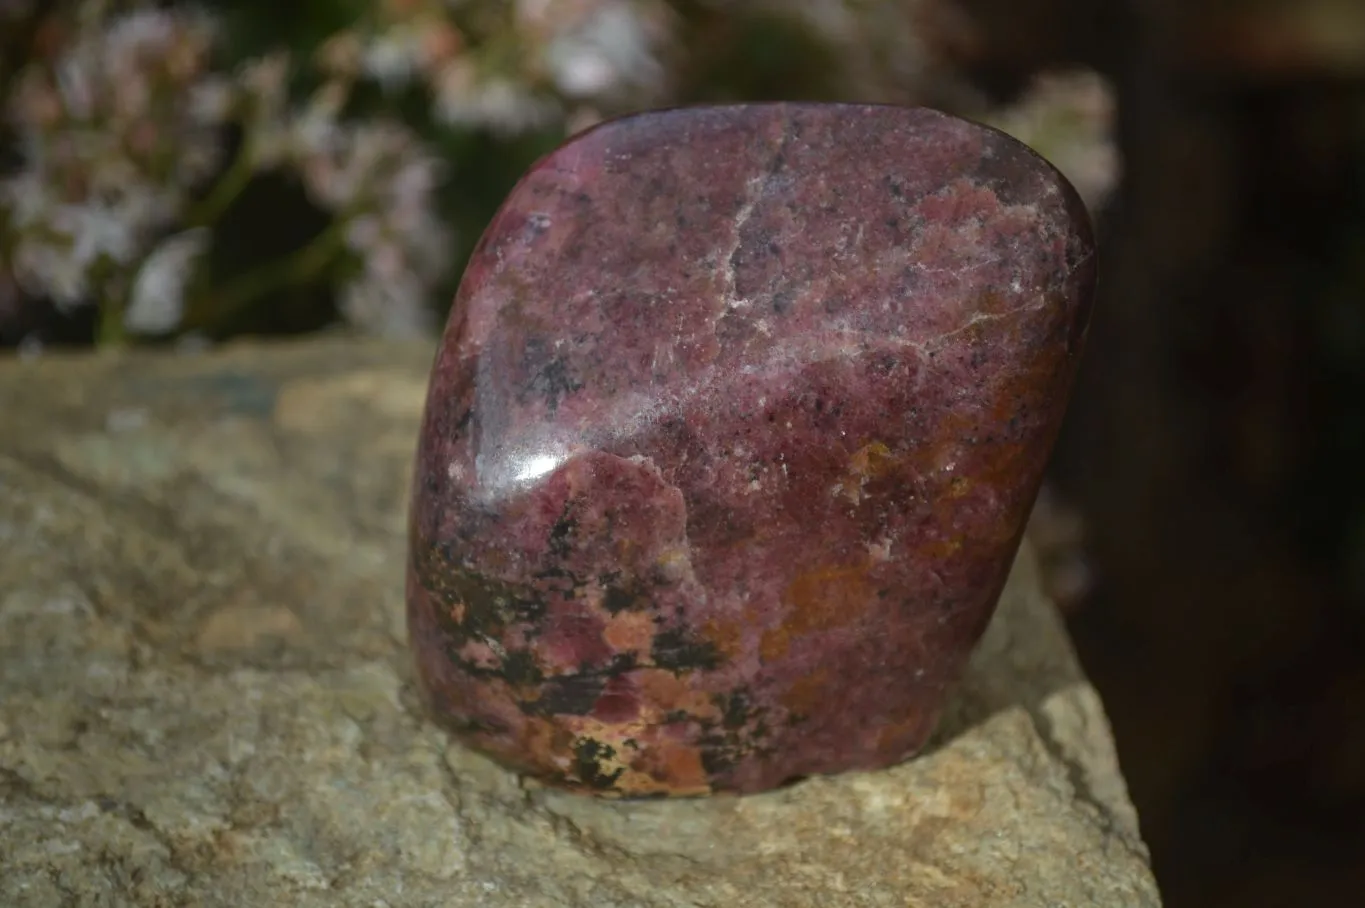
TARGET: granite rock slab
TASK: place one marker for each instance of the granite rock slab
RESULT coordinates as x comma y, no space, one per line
206,697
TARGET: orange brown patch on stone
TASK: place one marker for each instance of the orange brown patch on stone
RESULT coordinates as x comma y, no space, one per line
894,739
643,758
666,765
872,460
241,626
728,637
664,691
775,643
1001,467
942,549
993,303
629,632
818,600
543,741
806,692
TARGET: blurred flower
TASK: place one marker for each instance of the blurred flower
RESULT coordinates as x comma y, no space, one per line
113,136
516,66
378,175
122,123
612,50
387,306
157,303
892,51
122,127
499,104
1068,118
1057,532
372,175
261,98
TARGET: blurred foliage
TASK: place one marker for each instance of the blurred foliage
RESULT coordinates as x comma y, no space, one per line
216,169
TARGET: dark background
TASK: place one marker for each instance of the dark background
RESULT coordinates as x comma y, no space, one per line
1215,450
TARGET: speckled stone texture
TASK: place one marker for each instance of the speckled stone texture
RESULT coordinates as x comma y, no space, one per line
207,698
731,440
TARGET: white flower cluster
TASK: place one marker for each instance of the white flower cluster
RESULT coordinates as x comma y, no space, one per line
1068,116
112,141
122,122
121,138
514,65
378,182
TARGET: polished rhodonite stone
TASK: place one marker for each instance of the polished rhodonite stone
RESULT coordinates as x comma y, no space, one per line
731,438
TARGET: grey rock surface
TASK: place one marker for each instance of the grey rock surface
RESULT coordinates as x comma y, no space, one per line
206,697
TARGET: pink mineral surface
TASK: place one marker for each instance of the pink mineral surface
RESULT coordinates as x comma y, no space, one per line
731,439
